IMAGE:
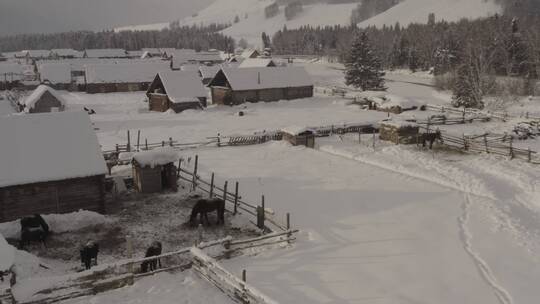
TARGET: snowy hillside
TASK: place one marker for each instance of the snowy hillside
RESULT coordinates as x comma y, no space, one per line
411,11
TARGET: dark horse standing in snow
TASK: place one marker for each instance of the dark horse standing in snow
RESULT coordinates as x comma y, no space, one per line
89,254
151,265
33,229
203,206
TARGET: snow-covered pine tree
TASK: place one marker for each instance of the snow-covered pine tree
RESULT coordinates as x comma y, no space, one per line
363,69
467,91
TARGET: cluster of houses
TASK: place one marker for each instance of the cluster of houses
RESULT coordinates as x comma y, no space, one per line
174,79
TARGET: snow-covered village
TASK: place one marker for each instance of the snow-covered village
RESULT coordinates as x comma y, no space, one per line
270,151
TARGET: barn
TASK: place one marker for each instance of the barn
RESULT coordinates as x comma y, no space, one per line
44,99
232,86
154,170
122,77
176,90
50,163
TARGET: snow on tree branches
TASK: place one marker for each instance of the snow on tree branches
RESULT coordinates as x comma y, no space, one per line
363,69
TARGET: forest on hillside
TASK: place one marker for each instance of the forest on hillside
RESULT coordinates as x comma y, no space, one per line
192,37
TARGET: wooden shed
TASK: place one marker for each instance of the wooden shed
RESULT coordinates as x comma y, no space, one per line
154,171
233,86
50,163
44,99
176,90
399,132
299,136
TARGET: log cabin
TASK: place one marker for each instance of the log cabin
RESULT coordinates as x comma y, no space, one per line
176,90
44,99
233,86
154,170
50,163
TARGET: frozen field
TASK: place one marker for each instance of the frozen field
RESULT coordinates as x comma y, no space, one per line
393,224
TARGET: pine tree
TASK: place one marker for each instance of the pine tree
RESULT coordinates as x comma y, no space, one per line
363,69
467,92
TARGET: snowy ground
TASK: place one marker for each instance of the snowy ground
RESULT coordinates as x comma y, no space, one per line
392,225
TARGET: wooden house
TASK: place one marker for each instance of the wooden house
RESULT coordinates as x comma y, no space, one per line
399,132
299,136
122,77
186,56
65,54
208,73
44,99
176,90
50,163
154,170
232,86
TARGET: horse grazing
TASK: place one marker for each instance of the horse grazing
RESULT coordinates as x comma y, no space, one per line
431,137
153,250
203,206
88,253
33,229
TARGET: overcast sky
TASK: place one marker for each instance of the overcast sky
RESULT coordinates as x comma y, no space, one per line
39,16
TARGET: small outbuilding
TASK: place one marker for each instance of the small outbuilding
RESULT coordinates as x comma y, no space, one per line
399,132
44,99
176,90
154,170
50,163
299,136
233,86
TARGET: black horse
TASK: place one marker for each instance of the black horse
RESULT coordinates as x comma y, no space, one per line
203,206
431,137
33,229
88,253
153,250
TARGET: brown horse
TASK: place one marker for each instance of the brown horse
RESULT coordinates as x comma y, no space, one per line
203,206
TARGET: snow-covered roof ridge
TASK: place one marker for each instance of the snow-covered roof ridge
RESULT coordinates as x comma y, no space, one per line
105,53
31,100
156,157
124,72
48,147
55,72
296,130
257,63
267,78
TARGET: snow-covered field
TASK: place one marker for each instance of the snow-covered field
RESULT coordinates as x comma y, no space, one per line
390,224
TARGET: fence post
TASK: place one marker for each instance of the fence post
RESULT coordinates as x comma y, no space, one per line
511,148
163,143
146,143
128,148
373,138
129,249
486,143
244,276
138,139
225,191
194,185
218,140
465,144
261,214
179,168
236,199
170,141
360,137
212,185
529,154
117,148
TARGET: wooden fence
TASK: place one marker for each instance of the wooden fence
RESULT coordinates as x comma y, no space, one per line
262,217
237,289
123,273
504,116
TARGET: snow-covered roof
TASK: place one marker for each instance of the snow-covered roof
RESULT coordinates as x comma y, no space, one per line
124,72
257,63
399,123
55,72
183,56
7,254
105,53
249,53
267,78
182,86
48,147
31,100
296,130
66,53
156,157
209,71
136,54
37,53
152,51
